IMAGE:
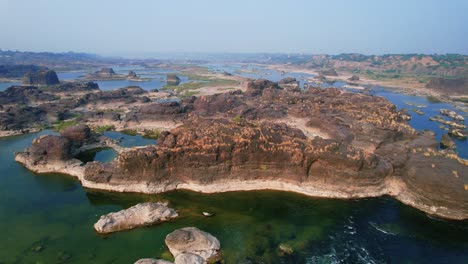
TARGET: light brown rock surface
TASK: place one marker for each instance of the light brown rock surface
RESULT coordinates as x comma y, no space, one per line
193,241
139,215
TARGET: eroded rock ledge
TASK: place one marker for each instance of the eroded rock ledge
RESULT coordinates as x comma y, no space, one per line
242,141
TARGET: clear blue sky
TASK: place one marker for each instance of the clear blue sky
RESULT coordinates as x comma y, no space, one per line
142,26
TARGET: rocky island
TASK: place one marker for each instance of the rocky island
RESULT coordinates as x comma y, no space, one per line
318,142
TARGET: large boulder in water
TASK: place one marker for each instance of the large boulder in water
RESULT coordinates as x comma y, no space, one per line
41,78
139,215
194,241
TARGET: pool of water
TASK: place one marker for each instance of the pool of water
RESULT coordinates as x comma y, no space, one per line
5,85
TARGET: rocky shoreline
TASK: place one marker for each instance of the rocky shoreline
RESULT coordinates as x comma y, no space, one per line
238,141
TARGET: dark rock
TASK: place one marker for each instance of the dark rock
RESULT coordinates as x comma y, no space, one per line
447,142
353,78
41,78
77,133
132,75
50,147
329,72
105,72
172,79
449,86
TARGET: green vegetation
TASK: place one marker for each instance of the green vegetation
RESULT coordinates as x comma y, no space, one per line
237,119
151,133
130,132
433,99
104,128
63,124
146,133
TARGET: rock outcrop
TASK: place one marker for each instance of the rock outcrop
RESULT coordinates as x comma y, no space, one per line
132,75
105,72
47,77
319,142
190,243
172,79
353,78
143,214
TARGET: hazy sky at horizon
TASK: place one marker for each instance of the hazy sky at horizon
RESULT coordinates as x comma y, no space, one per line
112,27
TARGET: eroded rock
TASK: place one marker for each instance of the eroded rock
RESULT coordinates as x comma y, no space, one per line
191,240
139,215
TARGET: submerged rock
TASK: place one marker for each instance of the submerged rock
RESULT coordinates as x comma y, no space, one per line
191,240
152,261
139,215
189,258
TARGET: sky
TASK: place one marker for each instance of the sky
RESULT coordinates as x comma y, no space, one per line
138,27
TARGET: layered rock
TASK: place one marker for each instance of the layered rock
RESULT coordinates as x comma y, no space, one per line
143,214
449,86
47,77
192,244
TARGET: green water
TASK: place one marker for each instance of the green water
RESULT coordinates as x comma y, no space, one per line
49,219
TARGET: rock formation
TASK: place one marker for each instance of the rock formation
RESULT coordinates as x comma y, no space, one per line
189,245
18,71
172,79
139,215
319,142
353,78
105,72
41,78
185,242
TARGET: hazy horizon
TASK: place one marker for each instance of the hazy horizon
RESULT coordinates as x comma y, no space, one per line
122,28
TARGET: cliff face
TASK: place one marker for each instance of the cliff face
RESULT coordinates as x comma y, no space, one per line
321,142
207,151
41,78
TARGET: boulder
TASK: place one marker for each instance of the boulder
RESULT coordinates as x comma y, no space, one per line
152,261
189,258
77,133
194,241
41,78
50,147
353,78
142,214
